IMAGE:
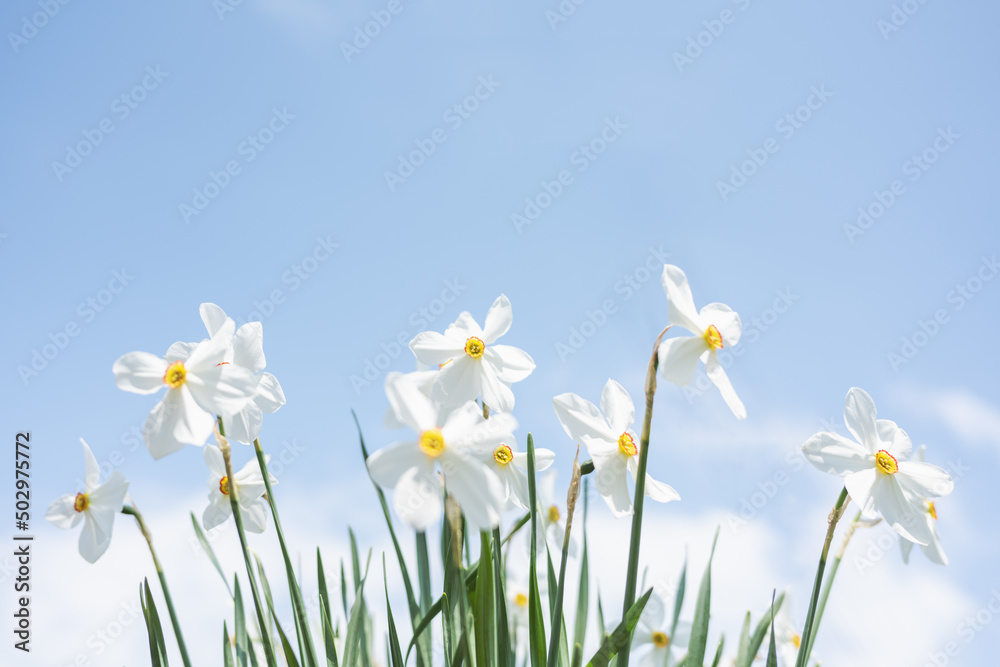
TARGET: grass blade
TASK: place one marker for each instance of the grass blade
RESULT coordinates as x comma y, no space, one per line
772,651
227,653
718,651
157,648
743,648
395,655
762,627
702,609
583,590
536,625
621,637
210,552
290,657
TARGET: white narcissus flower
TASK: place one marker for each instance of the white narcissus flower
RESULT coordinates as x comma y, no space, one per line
933,550
97,506
653,631
511,467
716,326
250,488
471,363
877,472
424,381
612,444
456,446
198,387
246,350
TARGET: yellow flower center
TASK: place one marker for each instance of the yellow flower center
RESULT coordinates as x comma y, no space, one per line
797,640
521,600
931,509
713,337
627,445
175,375
503,455
474,347
432,442
224,486
886,462
660,640
553,514
82,502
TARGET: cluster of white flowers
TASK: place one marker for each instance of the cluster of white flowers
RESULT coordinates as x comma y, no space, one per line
221,376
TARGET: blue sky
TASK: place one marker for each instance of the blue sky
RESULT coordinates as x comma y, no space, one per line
308,234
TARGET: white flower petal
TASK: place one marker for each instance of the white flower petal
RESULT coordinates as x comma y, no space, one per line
933,550
859,415
387,465
107,500
176,421
581,419
898,512
900,446
498,320
617,407
611,482
244,426
458,381
62,513
140,372
434,349
512,364
213,317
836,455
417,497
497,395
476,487
222,389
861,486
924,480
216,463
179,351
543,459
409,404
209,353
94,541
92,470
719,378
248,347
679,358
219,509
723,318
464,327
254,515
905,547
269,396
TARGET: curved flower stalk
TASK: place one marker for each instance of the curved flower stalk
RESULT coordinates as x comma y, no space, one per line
246,350
653,632
199,386
612,444
250,490
876,469
455,445
97,505
471,363
714,327
933,550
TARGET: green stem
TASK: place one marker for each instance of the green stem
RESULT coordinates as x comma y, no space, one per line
298,604
640,493
238,517
134,511
828,584
557,613
807,631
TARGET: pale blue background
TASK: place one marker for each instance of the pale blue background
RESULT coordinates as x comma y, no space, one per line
655,186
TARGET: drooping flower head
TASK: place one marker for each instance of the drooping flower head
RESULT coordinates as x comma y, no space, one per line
455,447
249,485
197,387
246,350
715,327
96,506
472,364
876,469
613,445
